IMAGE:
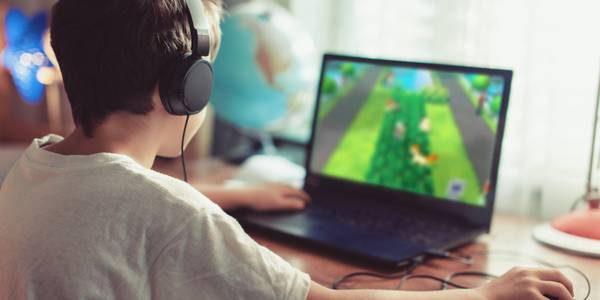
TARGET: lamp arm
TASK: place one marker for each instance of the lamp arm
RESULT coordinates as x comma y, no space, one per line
592,152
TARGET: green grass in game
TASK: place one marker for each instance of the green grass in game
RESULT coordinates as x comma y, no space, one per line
353,155
453,161
393,163
386,144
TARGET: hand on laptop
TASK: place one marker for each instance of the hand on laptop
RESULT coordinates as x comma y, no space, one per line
264,197
521,283
271,197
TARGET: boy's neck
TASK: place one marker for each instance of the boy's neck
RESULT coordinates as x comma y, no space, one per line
127,136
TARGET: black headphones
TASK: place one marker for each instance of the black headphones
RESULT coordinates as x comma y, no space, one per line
185,83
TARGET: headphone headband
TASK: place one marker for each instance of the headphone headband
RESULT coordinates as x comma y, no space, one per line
200,32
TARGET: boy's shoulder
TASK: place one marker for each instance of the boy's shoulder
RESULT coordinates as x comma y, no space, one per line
104,178
158,190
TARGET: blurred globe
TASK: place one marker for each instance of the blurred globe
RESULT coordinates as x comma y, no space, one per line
266,69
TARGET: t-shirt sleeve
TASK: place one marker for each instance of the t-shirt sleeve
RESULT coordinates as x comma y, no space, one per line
213,258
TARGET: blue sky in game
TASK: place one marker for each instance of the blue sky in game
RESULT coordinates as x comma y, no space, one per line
412,79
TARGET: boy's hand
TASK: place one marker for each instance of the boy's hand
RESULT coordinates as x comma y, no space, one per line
534,284
273,196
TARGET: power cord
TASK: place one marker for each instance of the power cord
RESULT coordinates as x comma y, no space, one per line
436,253
407,267
444,282
185,177
451,277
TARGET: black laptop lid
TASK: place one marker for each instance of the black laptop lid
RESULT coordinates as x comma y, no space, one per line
418,133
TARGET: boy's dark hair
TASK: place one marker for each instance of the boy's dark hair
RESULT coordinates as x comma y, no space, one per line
110,52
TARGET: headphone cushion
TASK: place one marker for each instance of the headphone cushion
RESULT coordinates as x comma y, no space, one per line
185,85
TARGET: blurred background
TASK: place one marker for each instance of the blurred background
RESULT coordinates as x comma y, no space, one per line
553,46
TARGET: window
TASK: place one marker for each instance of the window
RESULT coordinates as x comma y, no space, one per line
553,46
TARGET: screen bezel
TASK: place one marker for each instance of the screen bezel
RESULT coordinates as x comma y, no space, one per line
476,215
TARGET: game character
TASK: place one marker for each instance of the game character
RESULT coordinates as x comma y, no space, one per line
419,158
391,105
480,103
425,125
456,189
399,130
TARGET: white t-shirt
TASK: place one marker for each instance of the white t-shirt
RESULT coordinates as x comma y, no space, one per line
103,227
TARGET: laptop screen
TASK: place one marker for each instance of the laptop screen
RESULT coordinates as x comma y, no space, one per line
424,130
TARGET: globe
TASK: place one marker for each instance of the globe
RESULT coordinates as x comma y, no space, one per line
265,62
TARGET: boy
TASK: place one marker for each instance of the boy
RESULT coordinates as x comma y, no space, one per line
85,217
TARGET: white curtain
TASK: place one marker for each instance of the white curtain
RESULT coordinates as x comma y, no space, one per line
553,46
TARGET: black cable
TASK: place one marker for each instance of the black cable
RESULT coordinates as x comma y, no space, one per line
587,280
444,282
185,177
409,266
434,253
451,277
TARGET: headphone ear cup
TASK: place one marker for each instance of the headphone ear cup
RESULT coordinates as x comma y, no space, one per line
185,85
198,86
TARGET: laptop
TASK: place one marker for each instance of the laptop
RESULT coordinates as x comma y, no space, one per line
402,160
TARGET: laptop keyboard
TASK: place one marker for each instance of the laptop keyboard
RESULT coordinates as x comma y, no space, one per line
415,227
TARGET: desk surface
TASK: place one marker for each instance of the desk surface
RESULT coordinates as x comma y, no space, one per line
509,233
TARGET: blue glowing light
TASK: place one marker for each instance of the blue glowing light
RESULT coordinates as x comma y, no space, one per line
24,54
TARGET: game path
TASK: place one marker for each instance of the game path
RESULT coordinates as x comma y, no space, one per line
336,123
477,137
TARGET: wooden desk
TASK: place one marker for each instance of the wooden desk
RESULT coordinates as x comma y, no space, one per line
509,233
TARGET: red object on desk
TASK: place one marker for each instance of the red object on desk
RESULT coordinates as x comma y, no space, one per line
583,223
